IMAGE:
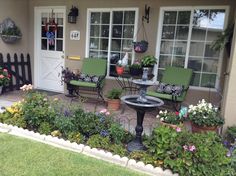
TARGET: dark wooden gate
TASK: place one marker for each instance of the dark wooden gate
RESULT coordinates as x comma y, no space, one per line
19,68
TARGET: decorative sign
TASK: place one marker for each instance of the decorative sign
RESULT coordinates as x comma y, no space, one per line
75,35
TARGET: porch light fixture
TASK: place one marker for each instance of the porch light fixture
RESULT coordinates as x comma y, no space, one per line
146,13
73,14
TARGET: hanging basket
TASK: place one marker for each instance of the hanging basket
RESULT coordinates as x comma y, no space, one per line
140,47
10,38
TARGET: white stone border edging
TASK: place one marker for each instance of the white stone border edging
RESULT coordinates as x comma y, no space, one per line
80,148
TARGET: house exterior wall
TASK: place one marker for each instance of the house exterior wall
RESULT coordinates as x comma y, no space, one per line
18,12
229,96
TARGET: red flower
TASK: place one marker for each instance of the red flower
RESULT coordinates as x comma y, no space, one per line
176,113
9,76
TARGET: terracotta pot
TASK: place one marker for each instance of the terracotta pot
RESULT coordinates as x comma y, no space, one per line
120,70
113,104
203,129
169,125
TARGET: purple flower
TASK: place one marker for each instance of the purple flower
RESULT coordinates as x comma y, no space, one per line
104,133
192,148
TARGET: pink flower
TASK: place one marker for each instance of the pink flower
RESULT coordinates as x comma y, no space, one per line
177,113
185,147
103,111
1,76
107,113
5,70
192,148
178,129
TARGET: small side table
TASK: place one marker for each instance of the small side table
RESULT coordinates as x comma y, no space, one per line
126,82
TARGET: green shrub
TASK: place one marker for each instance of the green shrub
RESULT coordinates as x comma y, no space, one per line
118,149
36,109
97,141
189,154
230,134
45,128
76,137
117,133
65,125
142,156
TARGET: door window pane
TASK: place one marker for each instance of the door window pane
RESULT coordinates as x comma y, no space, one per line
95,17
167,47
182,32
184,17
164,61
59,45
168,32
118,17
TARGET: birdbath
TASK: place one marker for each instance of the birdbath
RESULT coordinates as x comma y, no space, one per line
141,104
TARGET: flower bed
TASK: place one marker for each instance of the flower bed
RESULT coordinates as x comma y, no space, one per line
176,149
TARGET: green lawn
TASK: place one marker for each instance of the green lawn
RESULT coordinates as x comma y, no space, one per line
19,156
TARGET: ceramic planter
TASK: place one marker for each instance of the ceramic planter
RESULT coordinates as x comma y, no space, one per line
135,71
120,70
203,129
113,104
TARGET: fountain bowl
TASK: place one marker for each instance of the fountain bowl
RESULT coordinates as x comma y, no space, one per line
152,102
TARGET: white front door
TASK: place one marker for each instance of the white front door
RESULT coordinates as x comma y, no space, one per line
49,48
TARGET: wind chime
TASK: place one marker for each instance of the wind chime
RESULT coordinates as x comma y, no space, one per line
51,28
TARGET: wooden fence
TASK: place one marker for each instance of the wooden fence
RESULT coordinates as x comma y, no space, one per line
19,68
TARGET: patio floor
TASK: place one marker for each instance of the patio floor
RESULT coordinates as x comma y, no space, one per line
125,116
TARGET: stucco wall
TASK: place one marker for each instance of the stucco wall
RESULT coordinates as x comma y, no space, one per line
230,87
78,47
18,12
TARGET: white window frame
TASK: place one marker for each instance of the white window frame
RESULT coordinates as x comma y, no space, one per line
89,10
159,34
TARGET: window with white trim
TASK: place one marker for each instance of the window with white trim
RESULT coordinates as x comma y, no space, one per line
185,41
111,33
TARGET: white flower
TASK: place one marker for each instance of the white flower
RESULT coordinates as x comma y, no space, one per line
162,119
165,111
157,116
160,112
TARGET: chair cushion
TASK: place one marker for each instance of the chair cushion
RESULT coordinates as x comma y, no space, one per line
166,96
88,78
165,88
83,83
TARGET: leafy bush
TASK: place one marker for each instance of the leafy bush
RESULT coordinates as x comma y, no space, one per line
189,154
230,134
76,137
36,109
65,125
97,141
142,155
118,149
117,133
45,128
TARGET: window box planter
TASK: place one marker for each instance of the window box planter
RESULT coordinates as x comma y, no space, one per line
203,129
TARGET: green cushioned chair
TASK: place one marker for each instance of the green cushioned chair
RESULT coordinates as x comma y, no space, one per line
174,76
90,66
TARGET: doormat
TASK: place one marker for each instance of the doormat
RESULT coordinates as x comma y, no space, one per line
49,93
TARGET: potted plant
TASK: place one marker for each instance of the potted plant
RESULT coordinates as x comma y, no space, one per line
149,61
4,78
113,101
171,119
135,69
204,117
140,47
119,68
11,34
